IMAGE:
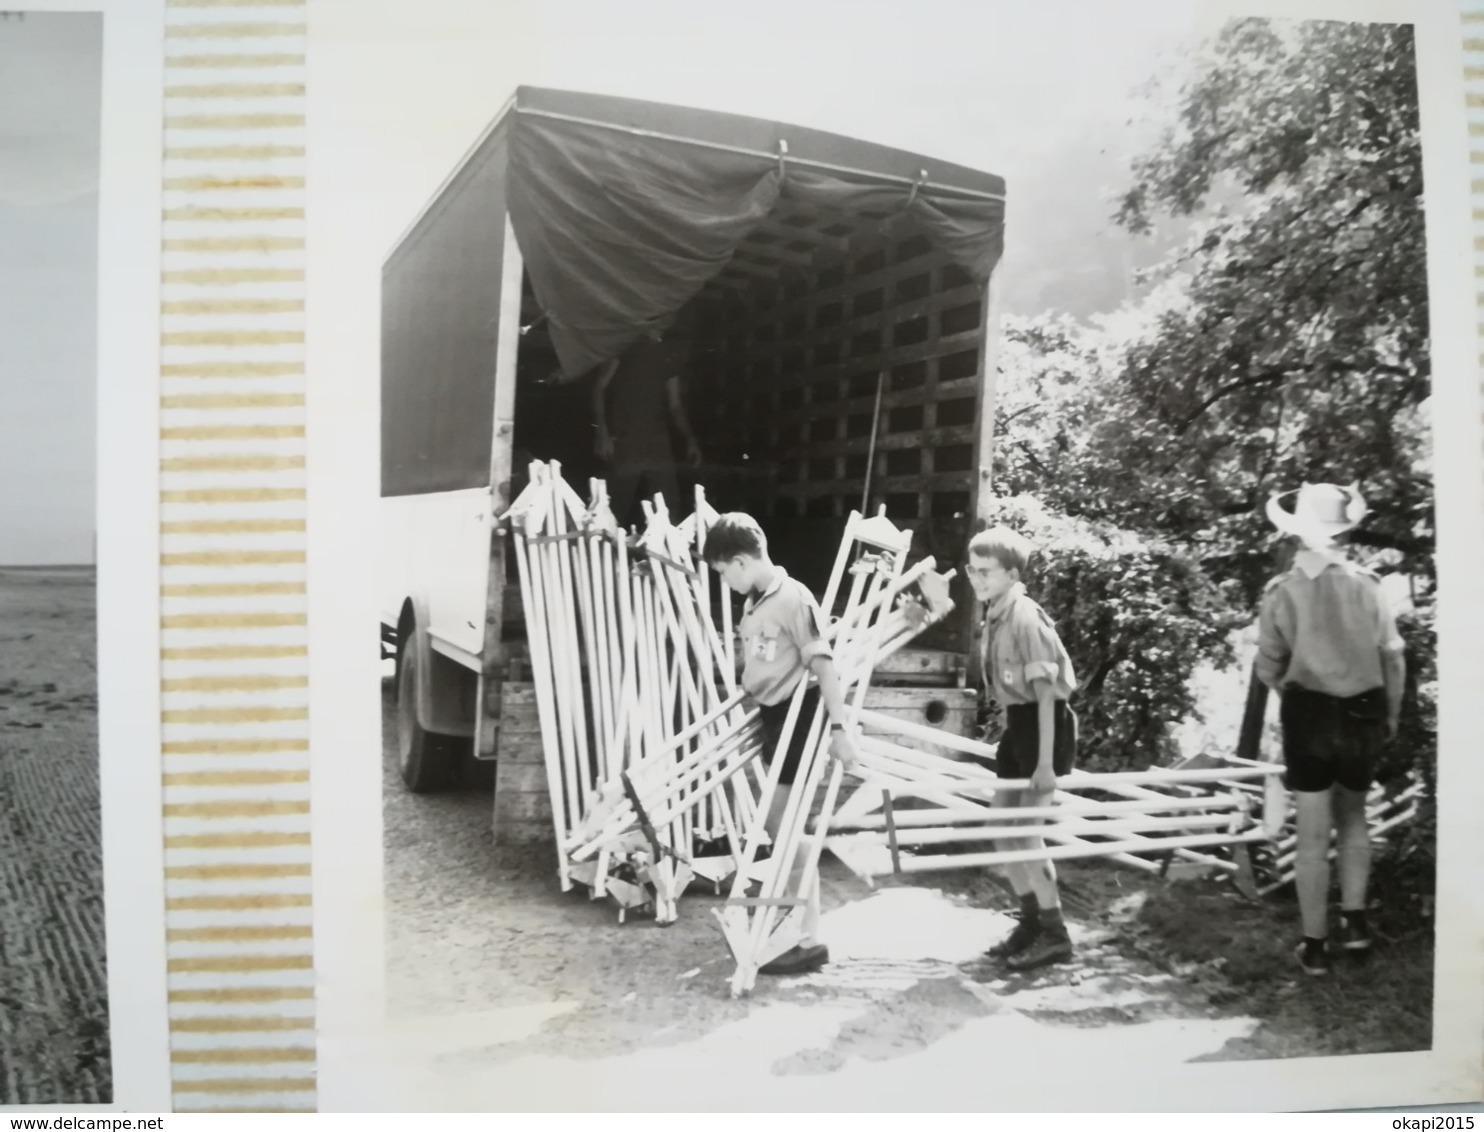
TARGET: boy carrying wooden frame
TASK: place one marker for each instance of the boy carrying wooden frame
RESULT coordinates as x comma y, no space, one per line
1029,674
783,641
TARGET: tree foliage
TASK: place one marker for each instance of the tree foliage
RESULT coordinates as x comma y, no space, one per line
1301,352
1286,341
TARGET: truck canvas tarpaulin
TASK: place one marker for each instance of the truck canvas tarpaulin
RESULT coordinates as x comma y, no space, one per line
623,210
621,220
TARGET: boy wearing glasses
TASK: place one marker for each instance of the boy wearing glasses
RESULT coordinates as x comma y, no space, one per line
1028,673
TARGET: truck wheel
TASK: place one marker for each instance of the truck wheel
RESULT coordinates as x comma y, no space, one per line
428,761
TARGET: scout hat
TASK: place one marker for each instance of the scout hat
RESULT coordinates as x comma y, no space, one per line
1321,512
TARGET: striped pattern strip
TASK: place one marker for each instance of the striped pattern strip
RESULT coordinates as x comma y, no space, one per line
234,650
1473,77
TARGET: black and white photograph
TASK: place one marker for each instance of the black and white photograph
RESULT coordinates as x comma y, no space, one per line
54,1018
799,446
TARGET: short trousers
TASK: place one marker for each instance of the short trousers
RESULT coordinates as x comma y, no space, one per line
1020,746
773,717
1329,740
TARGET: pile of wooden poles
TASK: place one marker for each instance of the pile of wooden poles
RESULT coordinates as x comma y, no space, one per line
625,657
1385,813
920,804
1201,815
651,748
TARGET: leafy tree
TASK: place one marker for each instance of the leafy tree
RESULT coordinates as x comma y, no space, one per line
1289,338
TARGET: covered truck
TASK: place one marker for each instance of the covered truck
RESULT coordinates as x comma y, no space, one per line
844,317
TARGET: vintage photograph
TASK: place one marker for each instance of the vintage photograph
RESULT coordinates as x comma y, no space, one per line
54,1021
880,577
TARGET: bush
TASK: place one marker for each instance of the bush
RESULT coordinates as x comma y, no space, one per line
1137,616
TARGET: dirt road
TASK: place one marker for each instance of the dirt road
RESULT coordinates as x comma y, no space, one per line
475,930
53,987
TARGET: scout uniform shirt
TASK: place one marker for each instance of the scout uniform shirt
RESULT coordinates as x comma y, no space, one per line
1021,645
782,630
1324,626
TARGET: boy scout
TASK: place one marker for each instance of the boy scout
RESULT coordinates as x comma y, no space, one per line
1028,673
783,641
1328,645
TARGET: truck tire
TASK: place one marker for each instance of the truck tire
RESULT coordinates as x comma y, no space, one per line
427,761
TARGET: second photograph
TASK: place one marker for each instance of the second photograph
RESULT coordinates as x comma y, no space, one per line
928,556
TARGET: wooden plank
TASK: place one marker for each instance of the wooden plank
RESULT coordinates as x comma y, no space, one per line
894,700
911,704
753,248
519,741
792,232
983,490
934,303
525,808
520,723
507,343
522,777
522,811
1254,714
887,358
941,437
951,390
756,270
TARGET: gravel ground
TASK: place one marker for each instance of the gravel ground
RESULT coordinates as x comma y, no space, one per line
472,928
1166,972
53,983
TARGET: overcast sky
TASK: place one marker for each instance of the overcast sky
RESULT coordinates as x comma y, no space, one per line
50,89
1006,86
1044,94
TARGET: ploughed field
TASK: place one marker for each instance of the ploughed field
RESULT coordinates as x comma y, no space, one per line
53,987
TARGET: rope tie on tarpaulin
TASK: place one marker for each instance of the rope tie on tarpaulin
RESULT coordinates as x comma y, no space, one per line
922,176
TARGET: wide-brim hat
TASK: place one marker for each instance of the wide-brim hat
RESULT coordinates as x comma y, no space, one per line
1321,511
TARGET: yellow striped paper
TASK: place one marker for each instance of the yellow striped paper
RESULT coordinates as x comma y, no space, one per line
235,687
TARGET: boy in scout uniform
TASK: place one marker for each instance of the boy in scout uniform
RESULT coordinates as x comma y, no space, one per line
1028,673
783,641
1328,645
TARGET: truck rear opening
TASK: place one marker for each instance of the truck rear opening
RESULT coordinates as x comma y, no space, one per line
844,356
837,367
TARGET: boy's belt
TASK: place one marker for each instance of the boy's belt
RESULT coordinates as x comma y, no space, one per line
1370,704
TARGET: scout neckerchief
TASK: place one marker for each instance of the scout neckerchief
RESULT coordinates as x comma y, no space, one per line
1313,562
995,615
755,597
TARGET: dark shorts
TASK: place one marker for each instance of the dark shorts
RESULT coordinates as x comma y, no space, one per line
773,717
1329,740
1020,746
